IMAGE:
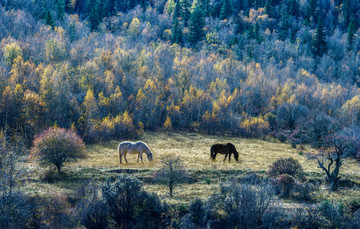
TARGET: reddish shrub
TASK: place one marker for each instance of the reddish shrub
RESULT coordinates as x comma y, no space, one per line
57,146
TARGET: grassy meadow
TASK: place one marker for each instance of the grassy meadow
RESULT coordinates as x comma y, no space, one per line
194,150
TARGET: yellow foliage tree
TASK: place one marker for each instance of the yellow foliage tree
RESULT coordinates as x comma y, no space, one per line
350,111
255,126
167,124
134,27
11,51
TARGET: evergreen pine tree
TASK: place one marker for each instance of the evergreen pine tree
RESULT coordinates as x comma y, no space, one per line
257,33
351,32
68,6
318,42
72,31
284,23
205,5
216,8
293,8
101,6
93,11
254,33
226,9
269,8
49,19
311,9
185,11
177,35
196,25
177,11
143,4
60,9
346,11
110,8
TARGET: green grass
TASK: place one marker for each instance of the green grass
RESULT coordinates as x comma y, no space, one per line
194,150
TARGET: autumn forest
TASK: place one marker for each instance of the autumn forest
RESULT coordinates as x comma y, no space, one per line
99,71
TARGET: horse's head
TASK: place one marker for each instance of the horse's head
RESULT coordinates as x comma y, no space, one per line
234,151
150,156
236,155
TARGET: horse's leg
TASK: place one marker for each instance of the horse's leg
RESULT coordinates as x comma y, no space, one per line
138,158
225,156
229,156
125,157
120,155
141,157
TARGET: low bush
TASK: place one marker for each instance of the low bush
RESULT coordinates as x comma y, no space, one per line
288,166
284,184
48,176
129,205
197,211
242,206
91,211
287,177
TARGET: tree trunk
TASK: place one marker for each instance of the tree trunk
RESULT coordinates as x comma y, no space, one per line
58,168
333,185
171,188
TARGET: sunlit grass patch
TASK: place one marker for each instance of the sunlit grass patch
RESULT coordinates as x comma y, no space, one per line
194,150
184,193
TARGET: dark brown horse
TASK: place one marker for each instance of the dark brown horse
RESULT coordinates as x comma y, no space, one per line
226,149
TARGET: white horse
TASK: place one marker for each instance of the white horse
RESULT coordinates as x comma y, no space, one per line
134,148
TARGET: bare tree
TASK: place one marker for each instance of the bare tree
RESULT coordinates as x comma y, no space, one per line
171,173
332,153
15,208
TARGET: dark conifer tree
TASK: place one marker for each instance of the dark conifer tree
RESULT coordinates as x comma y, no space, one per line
60,9
72,31
68,7
238,5
257,33
81,7
177,11
205,5
185,11
269,8
293,8
177,35
93,11
110,8
49,19
318,41
346,11
311,9
226,9
250,32
352,28
216,8
284,24
143,4
101,6
196,25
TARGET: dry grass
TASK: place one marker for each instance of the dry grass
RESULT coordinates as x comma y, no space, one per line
194,150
